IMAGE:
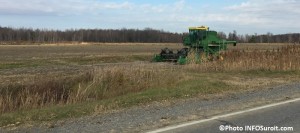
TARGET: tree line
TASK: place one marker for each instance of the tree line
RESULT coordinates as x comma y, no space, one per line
264,38
146,35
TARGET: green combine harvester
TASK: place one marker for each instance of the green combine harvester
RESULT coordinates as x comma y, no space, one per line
204,43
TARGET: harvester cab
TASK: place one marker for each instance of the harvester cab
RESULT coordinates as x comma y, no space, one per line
200,41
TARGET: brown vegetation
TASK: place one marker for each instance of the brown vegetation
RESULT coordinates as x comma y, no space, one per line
100,83
282,59
69,86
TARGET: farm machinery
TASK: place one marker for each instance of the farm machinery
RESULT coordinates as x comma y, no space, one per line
204,43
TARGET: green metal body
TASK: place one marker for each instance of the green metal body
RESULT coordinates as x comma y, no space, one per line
201,40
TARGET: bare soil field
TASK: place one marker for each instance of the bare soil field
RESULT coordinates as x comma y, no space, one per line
18,63
11,53
73,80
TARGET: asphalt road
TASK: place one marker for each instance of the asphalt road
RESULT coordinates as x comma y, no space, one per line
283,115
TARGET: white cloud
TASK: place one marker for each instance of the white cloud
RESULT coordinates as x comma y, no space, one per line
258,16
82,6
253,14
269,13
179,5
58,7
267,6
113,5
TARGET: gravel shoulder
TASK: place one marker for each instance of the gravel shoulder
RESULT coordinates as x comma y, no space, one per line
160,114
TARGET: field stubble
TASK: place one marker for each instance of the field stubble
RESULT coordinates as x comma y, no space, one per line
240,69
286,58
34,76
97,84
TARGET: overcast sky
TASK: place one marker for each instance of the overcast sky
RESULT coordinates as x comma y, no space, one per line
244,16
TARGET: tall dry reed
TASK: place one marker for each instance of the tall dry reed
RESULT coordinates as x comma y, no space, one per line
97,84
281,59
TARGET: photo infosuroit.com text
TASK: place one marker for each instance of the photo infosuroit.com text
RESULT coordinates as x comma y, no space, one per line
254,128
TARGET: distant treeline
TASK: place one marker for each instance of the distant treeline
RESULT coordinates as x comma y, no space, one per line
270,38
146,35
264,38
88,35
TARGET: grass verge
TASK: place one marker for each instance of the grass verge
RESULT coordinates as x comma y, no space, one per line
193,85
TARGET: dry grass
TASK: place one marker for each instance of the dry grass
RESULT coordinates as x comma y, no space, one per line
257,46
112,81
286,58
67,79
98,84
24,88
